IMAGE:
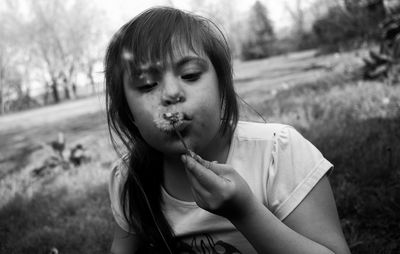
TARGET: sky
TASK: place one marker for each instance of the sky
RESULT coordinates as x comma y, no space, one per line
120,11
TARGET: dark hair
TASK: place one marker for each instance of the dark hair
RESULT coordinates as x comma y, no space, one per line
152,36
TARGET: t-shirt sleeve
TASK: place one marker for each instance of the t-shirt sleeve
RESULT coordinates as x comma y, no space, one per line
296,167
115,185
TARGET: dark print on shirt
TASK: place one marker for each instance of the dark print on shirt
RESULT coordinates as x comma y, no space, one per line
205,244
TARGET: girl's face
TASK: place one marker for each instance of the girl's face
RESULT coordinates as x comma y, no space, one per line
189,85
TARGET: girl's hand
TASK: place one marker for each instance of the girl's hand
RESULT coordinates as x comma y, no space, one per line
218,188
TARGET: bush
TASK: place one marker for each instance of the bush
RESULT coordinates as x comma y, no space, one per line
253,51
343,28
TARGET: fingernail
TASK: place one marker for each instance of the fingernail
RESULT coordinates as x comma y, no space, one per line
198,158
184,158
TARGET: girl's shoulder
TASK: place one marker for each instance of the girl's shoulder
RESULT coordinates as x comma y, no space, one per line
261,131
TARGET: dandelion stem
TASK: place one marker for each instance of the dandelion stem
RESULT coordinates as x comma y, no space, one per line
181,139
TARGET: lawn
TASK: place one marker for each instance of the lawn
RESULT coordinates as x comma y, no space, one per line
354,123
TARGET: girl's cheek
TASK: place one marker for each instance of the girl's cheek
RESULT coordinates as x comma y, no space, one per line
152,101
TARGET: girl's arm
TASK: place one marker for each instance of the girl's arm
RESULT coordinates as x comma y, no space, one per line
313,227
124,242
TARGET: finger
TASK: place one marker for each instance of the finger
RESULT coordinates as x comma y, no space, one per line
214,166
207,178
201,161
198,184
191,153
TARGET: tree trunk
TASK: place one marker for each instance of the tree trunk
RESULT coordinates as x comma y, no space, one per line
54,90
68,82
90,76
74,91
67,94
46,94
1,96
2,100
92,84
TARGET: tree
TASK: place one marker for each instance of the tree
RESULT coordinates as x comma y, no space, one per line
65,34
298,16
48,43
350,23
14,58
261,35
301,37
226,14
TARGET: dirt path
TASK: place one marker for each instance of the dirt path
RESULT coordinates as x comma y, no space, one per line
51,114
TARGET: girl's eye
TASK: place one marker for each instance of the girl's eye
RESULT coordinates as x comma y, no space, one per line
147,87
191,77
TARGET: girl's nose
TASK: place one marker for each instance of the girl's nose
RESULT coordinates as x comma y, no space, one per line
173,91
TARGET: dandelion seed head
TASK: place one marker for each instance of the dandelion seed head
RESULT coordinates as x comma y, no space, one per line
126,55
166,120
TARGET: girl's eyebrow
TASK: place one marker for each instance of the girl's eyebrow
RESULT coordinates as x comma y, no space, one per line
155,69
188,59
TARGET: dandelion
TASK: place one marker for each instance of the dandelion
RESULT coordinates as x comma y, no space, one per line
126,55
168,122
173,118
385,101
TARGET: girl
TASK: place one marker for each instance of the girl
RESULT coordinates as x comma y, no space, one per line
194,179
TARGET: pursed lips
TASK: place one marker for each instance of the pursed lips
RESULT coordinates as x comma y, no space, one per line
166,124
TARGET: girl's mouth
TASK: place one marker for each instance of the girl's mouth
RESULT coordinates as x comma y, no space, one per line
169,122
174,123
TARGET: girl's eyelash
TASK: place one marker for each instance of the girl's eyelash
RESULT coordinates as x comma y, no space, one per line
147,87
191,76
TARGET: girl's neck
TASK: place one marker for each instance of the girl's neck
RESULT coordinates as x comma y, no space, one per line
176,182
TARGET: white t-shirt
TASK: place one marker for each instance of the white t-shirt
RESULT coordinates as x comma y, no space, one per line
280,166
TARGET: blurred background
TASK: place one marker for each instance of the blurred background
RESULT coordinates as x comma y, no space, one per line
330,68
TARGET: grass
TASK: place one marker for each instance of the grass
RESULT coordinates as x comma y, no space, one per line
67,209
354,123
72,225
